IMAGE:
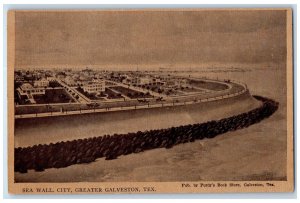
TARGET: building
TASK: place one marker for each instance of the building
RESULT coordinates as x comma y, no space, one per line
130,80
99,75
87,72
181,82
60,75
41,83
165,77
51,78
28,89
29,77
144,81
136,80
171,84
19,78
94,86
157,81
82,80
70,81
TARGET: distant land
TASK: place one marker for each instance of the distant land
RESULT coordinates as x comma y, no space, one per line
154,67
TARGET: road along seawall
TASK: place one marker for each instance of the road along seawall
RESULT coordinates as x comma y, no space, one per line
65,109
46,130
66,153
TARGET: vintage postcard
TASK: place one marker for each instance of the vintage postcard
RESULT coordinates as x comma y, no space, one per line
150,101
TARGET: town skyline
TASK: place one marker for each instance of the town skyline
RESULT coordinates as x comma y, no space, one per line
145,67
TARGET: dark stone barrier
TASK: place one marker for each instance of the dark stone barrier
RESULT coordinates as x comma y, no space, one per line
63,154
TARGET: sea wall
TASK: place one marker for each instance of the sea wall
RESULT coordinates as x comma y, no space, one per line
47,130
66,153
64,109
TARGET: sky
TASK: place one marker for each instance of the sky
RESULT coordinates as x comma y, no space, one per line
150,37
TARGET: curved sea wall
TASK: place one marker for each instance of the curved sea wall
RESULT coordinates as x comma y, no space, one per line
46,130
66,109
63,154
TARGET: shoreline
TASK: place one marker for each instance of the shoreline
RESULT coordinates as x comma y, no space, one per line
134,105
46,130
112,146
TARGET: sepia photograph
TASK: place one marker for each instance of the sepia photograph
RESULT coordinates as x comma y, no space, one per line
150,101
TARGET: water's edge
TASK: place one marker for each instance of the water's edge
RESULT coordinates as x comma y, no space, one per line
63,154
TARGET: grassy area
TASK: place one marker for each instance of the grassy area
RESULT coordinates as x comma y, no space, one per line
131,93
53,96
154,88
191,89
108,93
54,84
162,89
21,99
112,95
208,85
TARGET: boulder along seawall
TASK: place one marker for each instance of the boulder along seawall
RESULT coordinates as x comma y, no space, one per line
46,130
66,153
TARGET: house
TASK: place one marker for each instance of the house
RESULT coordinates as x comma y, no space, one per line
75,77
143,80
82,80
171,84
61,75
50,78
98,75
70,81
128,80
28,89
165,77
181,82
29,77
87,72
94,86
19,78
41,83
157,81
